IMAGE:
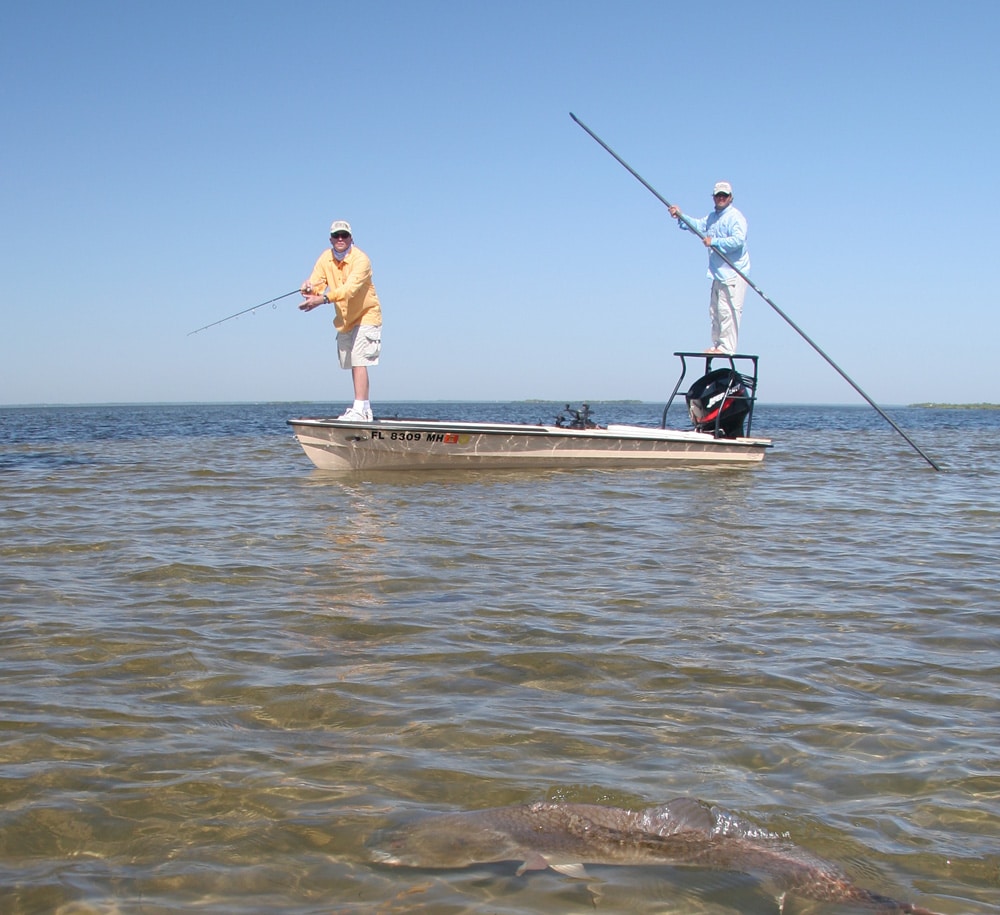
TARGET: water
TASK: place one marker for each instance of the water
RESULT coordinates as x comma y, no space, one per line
224,670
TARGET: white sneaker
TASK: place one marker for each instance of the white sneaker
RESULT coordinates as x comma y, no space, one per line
356,416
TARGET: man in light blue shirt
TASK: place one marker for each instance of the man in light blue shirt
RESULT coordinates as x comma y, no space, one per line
724,230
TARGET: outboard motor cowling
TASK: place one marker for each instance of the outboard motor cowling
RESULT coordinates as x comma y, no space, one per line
718,403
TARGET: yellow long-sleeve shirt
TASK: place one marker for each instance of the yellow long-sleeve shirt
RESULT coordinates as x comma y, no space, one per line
348,284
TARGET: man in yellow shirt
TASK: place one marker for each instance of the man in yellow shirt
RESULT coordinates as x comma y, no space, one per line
343,276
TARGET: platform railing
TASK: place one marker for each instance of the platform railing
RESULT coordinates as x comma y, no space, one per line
749,381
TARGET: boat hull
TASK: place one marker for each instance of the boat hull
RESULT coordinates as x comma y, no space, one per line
398,444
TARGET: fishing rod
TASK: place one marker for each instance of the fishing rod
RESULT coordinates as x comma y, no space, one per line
277,298
757,289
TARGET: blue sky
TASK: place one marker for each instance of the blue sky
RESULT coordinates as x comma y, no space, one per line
166,165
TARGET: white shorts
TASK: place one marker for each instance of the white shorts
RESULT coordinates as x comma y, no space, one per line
360,346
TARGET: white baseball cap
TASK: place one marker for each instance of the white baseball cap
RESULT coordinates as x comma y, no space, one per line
341,226
722,187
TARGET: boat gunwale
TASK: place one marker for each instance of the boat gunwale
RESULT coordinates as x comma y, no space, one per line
612,431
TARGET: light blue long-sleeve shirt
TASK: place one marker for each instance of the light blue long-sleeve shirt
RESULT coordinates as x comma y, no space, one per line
728,230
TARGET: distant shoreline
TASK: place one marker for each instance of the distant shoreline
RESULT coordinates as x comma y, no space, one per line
958,406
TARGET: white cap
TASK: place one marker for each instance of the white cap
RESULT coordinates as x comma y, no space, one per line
341,226
722,187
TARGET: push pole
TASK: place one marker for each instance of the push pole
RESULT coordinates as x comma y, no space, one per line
759,292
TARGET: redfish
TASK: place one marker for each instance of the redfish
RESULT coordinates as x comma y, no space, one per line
683,831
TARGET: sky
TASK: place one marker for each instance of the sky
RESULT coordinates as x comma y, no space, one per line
167,165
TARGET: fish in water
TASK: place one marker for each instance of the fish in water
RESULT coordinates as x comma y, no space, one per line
683,831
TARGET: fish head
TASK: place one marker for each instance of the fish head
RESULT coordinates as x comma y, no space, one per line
442,842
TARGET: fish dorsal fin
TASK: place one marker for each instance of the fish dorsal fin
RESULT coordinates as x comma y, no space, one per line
682,814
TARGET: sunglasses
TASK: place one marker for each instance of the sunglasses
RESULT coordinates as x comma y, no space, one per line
723,196
339,235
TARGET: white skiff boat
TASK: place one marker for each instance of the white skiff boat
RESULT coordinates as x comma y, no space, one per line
719,404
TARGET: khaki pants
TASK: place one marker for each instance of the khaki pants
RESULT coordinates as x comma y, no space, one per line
725,308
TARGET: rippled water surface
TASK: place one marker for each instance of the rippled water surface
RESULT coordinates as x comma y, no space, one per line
224,670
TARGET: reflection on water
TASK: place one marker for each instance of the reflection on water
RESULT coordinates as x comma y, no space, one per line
225,670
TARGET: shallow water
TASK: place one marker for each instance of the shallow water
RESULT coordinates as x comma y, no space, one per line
223,670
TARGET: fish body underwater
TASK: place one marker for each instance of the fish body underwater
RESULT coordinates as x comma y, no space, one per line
683,831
